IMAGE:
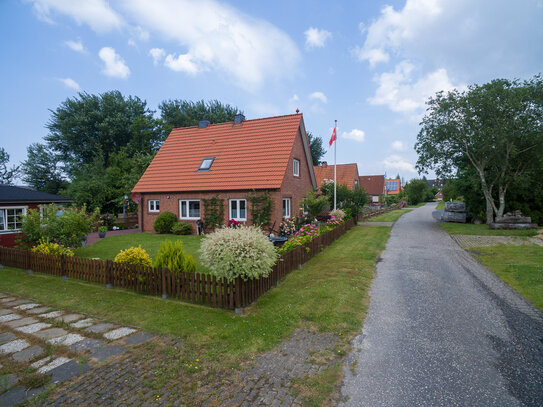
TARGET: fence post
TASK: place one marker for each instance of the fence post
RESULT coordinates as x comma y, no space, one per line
164,294
63,267
238,309
27,261
109,274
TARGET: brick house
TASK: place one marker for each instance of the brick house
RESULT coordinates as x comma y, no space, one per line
16,201
345,174
228,161
374,186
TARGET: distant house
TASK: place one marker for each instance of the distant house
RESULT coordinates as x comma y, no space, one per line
228,161
16,201
374,186
439,196
393,186
436,183
345,174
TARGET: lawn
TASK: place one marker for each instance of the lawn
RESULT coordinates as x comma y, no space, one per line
329,294
108,247
391,216
521,267
483,230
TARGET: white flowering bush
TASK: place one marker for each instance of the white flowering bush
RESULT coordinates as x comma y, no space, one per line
337,213
243,252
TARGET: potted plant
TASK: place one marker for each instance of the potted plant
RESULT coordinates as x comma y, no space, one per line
102,231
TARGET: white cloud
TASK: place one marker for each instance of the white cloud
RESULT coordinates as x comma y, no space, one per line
182,63
397,163
354,134
70,83
402,93
214,36
75,45
398,145
114,65
318,96
97,14
157,54
315,38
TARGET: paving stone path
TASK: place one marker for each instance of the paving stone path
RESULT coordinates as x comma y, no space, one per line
469,241
29,339
97,363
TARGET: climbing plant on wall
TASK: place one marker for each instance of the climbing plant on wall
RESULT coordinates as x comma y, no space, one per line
260,206
213,212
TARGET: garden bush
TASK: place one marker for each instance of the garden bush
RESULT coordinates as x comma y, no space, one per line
181,228
164,222
134,255
65,226
47,247
172,255
242,252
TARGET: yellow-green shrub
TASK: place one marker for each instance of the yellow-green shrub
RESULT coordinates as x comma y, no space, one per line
47,247
134,255
172,255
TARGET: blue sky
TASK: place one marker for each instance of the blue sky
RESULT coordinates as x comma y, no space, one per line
369,65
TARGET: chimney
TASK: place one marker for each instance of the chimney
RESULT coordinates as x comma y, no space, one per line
202,124
239,118
324,164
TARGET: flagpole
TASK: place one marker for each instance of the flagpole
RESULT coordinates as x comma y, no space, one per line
335,181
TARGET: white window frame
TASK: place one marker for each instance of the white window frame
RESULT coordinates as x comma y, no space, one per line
155,201
238,218
188,209
375,198
296,167
5,215
287,209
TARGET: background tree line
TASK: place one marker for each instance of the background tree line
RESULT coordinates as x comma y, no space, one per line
98,146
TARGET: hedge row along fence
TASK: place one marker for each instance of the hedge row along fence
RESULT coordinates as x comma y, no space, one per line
194,287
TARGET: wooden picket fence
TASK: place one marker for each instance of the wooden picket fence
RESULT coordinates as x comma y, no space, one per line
194,287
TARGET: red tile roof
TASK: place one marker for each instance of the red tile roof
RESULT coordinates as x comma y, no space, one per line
345,174
373,184
250,155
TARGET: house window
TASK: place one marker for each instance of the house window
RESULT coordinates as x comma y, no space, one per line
286,207
355,182
206,164
189,209
304,209
10,219
238,209
296,167
375,198
153,205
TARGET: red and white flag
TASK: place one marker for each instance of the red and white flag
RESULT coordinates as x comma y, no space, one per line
333,138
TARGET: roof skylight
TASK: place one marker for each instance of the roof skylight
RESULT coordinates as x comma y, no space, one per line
206,164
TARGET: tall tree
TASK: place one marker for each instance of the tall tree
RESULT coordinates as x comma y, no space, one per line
87,126
7,175
496,128
42,169
316,147
183,113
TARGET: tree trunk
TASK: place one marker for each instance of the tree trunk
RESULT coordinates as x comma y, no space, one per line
490,206
501,209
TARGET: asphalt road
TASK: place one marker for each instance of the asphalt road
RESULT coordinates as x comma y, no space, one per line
442,330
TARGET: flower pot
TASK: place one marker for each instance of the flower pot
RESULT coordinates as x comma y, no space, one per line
101,235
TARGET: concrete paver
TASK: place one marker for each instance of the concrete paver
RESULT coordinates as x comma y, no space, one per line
30,329
9,317
118,333
28,354
21,322
50,333
14,346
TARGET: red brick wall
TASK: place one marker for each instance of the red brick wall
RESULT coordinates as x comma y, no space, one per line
8,239
295,187
171,204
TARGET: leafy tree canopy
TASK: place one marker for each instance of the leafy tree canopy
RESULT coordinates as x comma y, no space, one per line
7,175
316,147
87,126
496,128
42,169
184,113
